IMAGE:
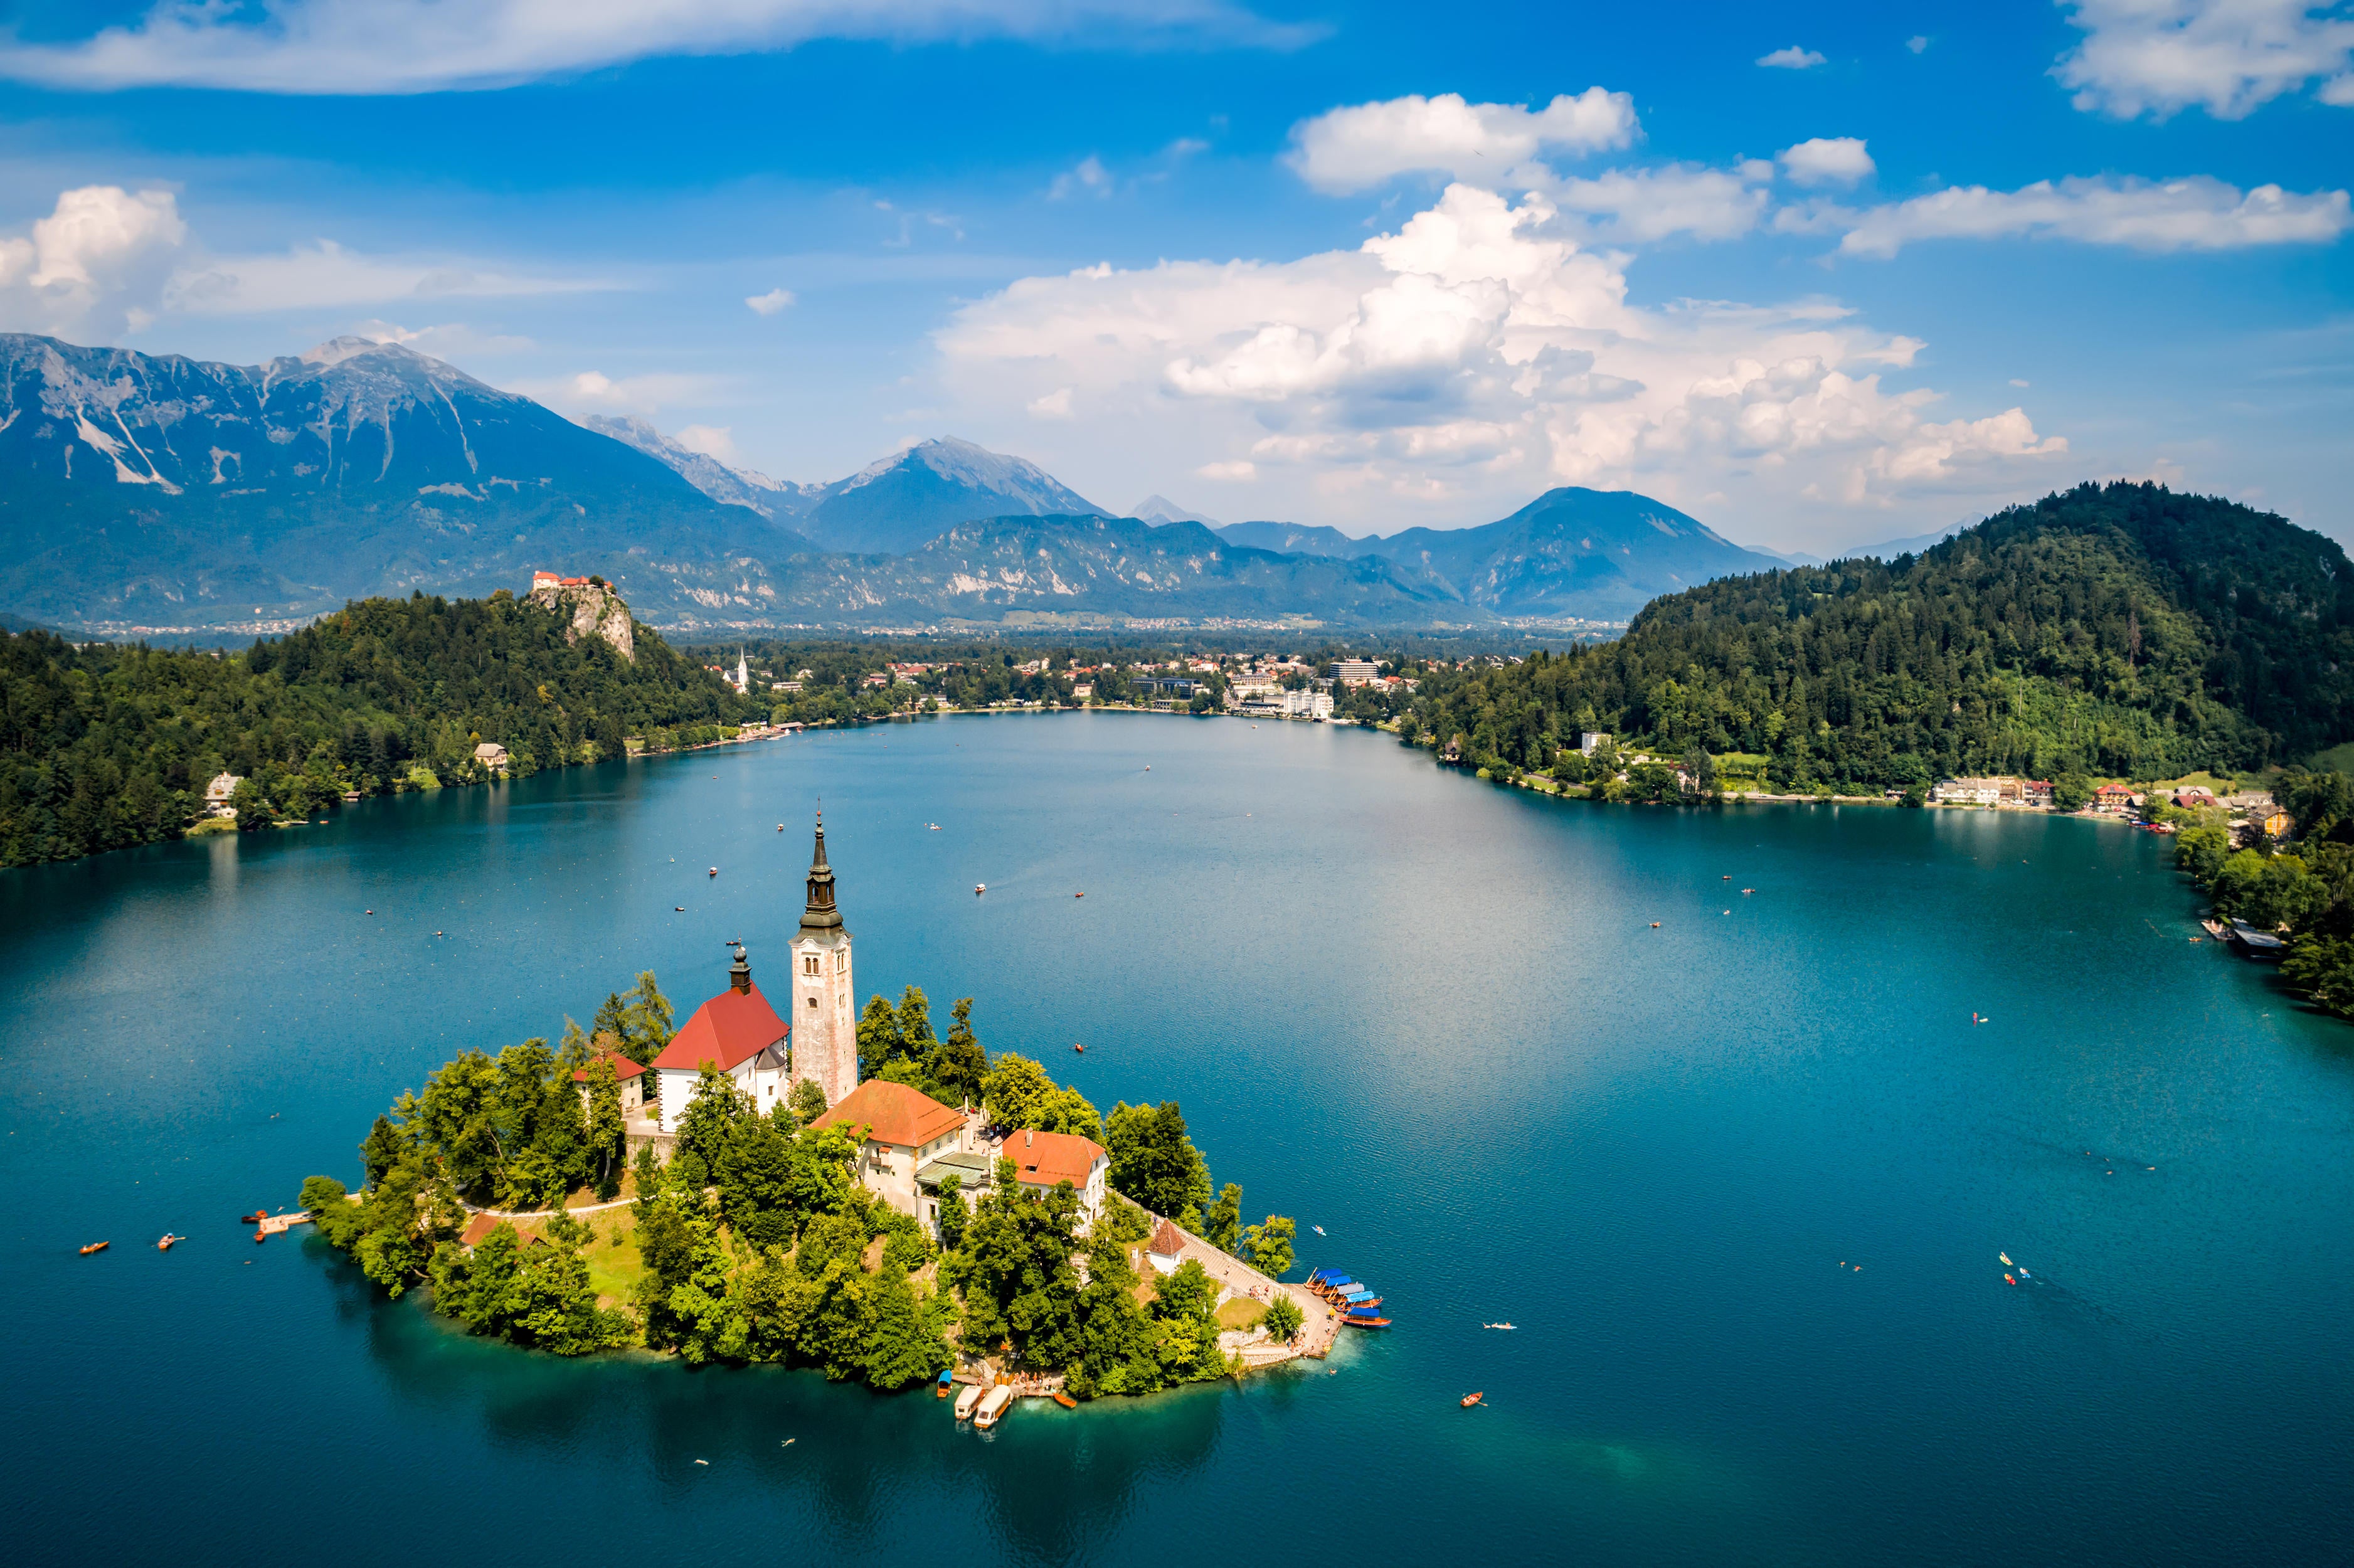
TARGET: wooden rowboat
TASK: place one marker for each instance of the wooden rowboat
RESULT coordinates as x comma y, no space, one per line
95,1246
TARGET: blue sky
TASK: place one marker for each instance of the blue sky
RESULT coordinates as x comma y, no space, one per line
1821,275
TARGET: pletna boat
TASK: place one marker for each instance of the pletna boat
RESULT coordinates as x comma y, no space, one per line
994,1406
968,1398
946,1382
1366,1322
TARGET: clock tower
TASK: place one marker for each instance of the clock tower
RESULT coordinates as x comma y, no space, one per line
825,1024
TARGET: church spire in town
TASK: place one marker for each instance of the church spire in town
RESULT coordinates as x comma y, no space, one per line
821,915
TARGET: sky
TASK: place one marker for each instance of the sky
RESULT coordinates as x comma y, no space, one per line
1821,275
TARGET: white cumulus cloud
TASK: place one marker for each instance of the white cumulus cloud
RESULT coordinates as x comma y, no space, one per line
98,263
1792,58
592,391
361,47
2157,56
1473,356
1355,148
1054,405
770,303
1827,161
2193,213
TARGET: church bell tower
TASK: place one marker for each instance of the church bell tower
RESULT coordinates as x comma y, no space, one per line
825,1024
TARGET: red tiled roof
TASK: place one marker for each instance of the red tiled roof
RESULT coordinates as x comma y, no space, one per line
726,1031
893,1113
1168,1241
624,1068
1043,1159
480,1227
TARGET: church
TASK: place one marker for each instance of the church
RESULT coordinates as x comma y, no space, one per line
740,1031
909,1142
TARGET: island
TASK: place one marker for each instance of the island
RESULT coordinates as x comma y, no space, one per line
784,1180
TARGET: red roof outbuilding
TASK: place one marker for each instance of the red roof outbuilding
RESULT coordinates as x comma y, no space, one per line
624,1068
727,1031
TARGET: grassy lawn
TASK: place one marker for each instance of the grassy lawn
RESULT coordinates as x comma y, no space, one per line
1241,1312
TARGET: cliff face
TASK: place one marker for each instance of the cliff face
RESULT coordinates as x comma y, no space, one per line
593,611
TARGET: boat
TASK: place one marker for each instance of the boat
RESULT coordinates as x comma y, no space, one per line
95,1246
1355,1322
979,888
167,1240
1066,1400
994,1406
946,1382
715,870
1366,1308
2006,1260
254,1218
967,1398
1078,896
1471,1399
1318,1229
1078,1048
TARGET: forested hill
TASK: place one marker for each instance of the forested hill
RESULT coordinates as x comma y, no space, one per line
2119,630
103,745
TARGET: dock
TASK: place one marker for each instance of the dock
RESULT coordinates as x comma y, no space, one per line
279,1224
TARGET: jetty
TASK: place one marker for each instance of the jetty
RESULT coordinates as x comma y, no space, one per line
279,1224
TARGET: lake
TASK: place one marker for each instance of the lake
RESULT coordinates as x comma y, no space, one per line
1740,1179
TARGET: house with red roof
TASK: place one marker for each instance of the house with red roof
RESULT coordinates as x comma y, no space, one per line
737,1031
627,1073
904,1129
1044,1160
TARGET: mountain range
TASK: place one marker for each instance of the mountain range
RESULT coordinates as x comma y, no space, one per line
157,492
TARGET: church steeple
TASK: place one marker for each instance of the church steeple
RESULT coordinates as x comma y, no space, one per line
821,915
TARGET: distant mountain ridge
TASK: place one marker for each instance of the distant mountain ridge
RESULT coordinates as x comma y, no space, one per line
1572,553
159,492
723,483
145,489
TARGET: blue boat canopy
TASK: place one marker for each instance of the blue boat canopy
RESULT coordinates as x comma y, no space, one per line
1360,1294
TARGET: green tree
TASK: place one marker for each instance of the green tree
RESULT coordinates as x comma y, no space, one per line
2071,791
958,1065
1020,1095
879,1037
1152,1159
1222,1223
1283,1317
1268,1245
953,1214
1016,1273
806,1100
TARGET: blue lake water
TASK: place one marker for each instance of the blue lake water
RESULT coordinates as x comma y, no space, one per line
1432,1016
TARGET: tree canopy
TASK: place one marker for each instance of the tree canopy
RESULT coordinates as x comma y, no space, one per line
104,745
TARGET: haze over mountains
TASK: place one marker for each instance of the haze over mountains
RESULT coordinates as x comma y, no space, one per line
157,492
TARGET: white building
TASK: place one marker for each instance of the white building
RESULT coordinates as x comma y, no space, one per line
218,793
1354,672
904,1130
1044,1160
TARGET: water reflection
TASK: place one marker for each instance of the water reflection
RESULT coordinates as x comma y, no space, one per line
1051,1485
